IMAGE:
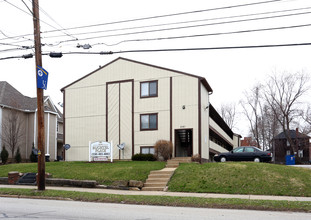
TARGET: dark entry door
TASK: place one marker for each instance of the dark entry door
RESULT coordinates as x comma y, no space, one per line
183,142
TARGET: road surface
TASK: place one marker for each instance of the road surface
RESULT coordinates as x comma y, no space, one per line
72,210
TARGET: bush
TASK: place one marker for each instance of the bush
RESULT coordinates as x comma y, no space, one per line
18,157
196,158
144,157
163,149
4,155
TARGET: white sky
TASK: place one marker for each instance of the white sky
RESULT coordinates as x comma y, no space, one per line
229,72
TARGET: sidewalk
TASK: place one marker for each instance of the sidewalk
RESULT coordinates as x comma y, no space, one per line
160,193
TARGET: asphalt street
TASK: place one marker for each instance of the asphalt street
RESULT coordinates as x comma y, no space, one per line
20,209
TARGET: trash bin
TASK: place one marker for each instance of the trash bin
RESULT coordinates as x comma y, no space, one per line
290,159
47,158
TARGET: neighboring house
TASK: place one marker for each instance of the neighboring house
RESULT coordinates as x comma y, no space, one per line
281,147
25,108
249,141
135,103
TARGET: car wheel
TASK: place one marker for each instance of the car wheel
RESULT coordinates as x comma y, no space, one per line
223,159
256,159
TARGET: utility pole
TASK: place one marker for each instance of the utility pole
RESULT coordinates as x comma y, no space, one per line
40,108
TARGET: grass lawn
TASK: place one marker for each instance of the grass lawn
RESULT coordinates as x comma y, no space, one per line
242,178
162,200
103,173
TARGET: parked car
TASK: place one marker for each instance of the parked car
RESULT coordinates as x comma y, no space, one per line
244,154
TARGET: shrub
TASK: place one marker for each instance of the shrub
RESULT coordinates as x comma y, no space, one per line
4,155
18,157
143,157
196,158
163,149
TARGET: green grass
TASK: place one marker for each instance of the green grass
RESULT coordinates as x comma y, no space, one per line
103,173
242,178
162,200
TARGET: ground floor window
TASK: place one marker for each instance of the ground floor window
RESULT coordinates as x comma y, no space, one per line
147,150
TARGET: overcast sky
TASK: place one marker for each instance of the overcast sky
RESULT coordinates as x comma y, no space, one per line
228,71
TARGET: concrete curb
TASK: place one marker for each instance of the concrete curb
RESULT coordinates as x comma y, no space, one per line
162,193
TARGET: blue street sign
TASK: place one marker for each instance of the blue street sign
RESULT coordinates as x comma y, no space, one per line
42,78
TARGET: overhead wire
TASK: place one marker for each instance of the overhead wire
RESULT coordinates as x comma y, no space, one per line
44,12
162,16
168,50
206,35
184,22
184,27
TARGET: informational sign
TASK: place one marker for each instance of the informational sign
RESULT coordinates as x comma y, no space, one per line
42,78
100,151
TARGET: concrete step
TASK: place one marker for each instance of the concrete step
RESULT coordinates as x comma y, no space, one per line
157,180
172,165
161,172
152,189
155,185
159,176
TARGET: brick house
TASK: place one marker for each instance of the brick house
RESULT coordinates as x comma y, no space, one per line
281,147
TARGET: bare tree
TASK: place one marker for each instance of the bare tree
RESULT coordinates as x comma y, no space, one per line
251,109
12,133
228,114
262,120
283,94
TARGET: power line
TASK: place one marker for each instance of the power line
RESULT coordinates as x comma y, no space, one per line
174,14
184,27
31,16
184,22
52,54
206,35
162,16
44,12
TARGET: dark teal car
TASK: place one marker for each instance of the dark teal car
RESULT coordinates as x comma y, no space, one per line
244,154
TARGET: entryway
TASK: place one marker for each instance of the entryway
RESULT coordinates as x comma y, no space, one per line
183,143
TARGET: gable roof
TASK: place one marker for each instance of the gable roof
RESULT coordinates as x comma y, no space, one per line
12,98
292,133
202,79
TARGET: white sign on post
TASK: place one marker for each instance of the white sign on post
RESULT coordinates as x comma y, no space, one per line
100,151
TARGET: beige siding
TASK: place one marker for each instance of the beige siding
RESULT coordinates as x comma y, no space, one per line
113,117
79,131
220,131
85,108
159,105
122,70
185,92
217,147
204,122
126,119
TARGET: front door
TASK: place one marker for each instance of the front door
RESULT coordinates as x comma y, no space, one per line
183,142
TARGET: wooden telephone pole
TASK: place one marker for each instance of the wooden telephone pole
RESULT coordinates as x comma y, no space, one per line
40,108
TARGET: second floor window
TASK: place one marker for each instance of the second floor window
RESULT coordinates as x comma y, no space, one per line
149,89
149,122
